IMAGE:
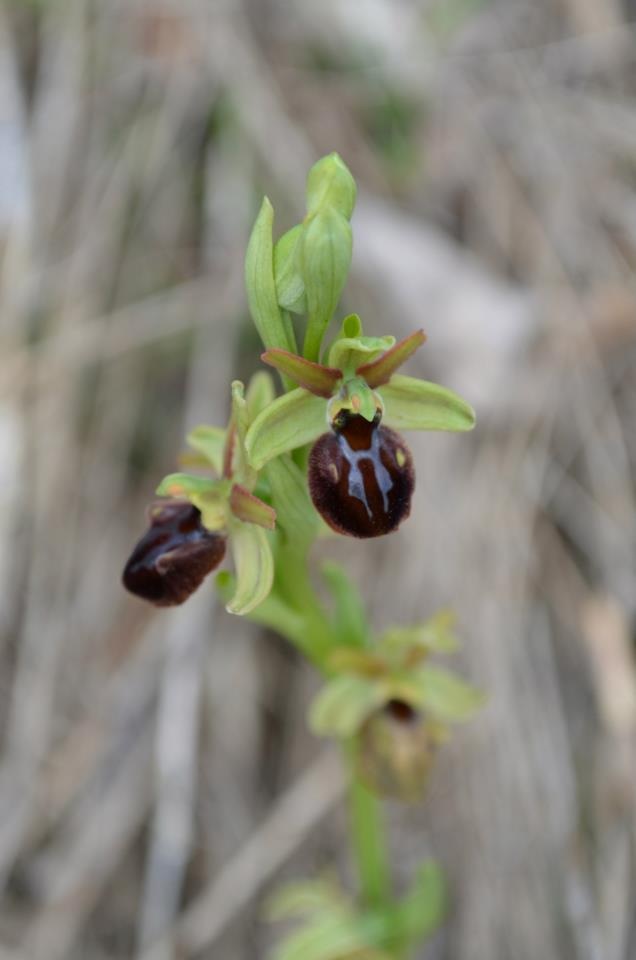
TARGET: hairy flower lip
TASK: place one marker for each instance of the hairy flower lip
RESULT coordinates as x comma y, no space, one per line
361,477
174,555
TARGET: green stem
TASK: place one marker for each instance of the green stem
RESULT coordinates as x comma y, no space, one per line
369,841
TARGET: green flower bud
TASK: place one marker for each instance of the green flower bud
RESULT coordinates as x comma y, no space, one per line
329,184
325,257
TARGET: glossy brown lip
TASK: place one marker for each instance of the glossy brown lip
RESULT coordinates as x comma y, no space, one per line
174,555
361,477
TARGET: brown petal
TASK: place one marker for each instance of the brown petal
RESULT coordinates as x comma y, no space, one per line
174,555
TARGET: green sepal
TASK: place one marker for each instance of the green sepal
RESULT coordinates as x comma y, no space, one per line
290,421
303,898
343,705
290,288
416,917
254,566
349,353
435,635
260,393
443,694
210,443
412,404
245,506
297,518
336,935
186,485
275,330
325,257
381,370
329,183
312,376
350,623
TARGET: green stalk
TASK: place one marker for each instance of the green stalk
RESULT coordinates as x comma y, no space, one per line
369,841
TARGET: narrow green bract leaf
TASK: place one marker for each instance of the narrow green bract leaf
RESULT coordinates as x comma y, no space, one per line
312,376
208,441
343,705
381,370
290,421
290,288
422,910
350,622
185,485
260,285
324,261
254,566
412,404
444,694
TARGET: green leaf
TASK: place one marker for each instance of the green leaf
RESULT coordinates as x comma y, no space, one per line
350,623
295,512
348,353
208,441
443,694
343,705
422,910
290,421
245,506
186,485
312,376
260,393
290,288
274,329
381,370
254,566
325,259
329,183
412,404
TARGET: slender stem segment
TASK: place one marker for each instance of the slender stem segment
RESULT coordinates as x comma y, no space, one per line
369,841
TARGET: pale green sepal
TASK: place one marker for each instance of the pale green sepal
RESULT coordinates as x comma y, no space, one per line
343,705
332,936
329,183
412,404
262,298
290,288
303,898
260,393
349,353
290,421
443,694
185,485
254,566
210,442
350,623
295,512
325,257
436,635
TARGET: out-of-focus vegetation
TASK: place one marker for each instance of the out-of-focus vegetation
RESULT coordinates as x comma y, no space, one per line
156,775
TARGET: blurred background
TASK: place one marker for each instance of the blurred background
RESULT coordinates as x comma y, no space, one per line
156,776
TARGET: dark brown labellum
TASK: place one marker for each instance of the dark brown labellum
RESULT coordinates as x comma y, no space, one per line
174,555
361,477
